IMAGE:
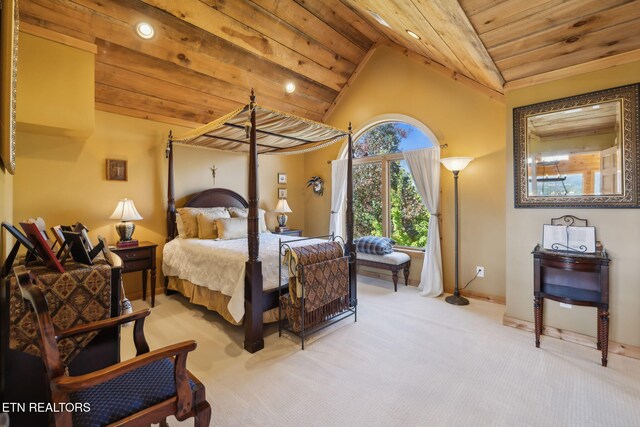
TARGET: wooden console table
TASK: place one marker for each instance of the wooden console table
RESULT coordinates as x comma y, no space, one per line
573,278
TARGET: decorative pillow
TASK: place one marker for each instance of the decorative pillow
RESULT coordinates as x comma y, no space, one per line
179,226
374,245
207,227
244,213
231,228
189,220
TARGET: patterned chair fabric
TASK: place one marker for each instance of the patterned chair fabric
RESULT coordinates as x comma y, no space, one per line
80,295
127,394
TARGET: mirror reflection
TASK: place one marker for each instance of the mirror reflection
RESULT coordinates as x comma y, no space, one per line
575,151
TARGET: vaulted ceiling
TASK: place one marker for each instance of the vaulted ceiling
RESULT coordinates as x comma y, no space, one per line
207,54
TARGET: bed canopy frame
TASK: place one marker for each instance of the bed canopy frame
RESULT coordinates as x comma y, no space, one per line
258,130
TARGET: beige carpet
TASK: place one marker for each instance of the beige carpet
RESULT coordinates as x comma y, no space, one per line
408,361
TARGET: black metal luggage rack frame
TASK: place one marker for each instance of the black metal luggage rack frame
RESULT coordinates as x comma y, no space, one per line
350,311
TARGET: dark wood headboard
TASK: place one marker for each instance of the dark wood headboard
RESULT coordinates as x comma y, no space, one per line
211,198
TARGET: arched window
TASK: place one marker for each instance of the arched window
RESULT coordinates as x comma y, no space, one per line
385,200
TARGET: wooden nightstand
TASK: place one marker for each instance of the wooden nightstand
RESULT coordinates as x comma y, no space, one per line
288,232
140,258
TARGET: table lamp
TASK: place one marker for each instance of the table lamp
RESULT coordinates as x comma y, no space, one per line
283,208
455,165
125,212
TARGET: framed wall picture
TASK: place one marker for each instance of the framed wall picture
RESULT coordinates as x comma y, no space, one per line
8,82
282,193
282,178
117,170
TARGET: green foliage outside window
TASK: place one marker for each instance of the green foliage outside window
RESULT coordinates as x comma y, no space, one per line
408,216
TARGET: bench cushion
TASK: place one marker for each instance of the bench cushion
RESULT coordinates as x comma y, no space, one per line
374,245
394,258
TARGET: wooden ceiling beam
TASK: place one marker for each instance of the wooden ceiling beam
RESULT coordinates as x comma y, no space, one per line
403,15
179,35
509,12
574,70
183,46
306,22
576,27
240,34
120,56
598,44
282,32
451,23
135,101
344,20
127,80
579,15
146,115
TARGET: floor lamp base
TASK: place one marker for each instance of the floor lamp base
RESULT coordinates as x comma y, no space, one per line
457,300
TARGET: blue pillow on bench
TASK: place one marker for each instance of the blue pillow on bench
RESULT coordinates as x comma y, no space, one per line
374,245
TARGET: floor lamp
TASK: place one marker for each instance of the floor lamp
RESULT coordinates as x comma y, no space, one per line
455,165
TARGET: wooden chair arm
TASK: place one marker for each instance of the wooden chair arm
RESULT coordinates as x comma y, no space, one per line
101,324
74,384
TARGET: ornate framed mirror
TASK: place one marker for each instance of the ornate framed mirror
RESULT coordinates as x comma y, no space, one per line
8,76
582,151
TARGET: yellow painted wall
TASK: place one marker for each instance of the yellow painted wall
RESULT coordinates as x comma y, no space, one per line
64,181
618,229
58,81
470,123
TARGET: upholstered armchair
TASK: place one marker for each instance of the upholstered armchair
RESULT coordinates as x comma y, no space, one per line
140,391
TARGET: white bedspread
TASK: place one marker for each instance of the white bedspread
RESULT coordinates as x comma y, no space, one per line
220,264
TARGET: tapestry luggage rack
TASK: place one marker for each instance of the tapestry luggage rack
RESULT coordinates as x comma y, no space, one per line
348,310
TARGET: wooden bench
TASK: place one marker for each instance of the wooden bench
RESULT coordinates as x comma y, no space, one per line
393,262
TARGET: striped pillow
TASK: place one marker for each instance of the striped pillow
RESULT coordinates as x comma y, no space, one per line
374,245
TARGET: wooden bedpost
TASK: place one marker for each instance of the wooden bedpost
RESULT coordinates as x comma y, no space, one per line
253,306
350,248
171,197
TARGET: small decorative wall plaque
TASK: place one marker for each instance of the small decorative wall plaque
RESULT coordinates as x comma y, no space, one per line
117,170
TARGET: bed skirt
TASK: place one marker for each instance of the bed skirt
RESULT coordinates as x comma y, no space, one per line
213,300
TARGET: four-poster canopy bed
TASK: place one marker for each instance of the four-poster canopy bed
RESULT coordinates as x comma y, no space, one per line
257,130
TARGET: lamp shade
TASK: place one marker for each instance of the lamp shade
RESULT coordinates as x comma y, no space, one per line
283,206
125,211
456,164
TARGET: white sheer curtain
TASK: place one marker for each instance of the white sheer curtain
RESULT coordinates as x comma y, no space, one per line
338,195
424,165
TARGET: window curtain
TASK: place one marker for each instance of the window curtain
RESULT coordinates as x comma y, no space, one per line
424,166
338,195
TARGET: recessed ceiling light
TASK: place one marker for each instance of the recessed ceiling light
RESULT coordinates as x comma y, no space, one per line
378,18
145,30
412,34
290,87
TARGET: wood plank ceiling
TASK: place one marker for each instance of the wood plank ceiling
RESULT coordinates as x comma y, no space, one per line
207,54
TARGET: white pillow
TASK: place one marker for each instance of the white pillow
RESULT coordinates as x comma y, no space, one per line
232,228
244,213
207,227
179,226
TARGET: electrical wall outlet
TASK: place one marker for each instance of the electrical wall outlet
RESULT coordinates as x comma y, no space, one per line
480,271
563,305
